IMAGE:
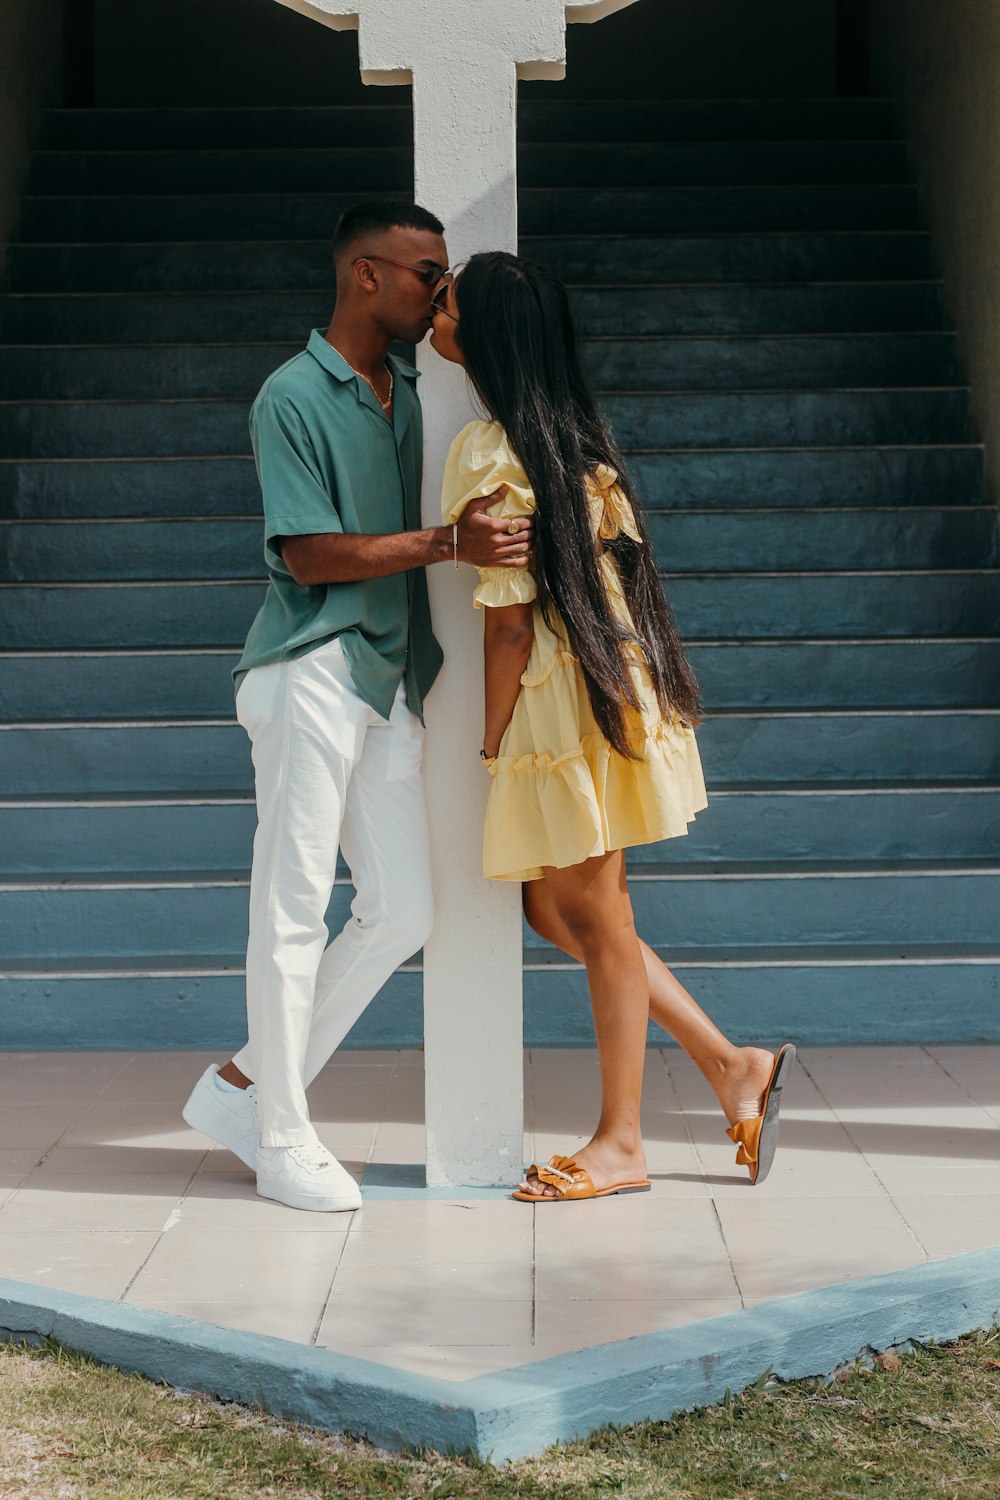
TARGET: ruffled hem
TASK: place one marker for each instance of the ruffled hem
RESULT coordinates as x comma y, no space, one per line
499,587
558,810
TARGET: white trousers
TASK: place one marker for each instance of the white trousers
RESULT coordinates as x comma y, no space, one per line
329,772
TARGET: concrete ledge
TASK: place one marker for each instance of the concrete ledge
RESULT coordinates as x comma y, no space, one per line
525,1409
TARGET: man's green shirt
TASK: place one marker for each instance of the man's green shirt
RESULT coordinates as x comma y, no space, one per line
328,461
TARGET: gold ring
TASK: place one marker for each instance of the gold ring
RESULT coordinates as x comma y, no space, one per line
513,528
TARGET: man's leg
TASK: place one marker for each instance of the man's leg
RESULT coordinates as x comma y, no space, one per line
385,843
308,726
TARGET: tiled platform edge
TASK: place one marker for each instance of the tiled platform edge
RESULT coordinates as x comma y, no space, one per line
522,1410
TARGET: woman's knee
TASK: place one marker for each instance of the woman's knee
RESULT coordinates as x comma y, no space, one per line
593,922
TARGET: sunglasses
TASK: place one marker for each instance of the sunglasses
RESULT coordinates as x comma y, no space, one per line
440,298
430,272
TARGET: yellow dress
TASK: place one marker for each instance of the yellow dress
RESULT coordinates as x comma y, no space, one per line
560,793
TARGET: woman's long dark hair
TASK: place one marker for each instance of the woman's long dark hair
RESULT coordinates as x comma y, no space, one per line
521,352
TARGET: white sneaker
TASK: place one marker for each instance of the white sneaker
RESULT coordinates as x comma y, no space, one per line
307,1177
227,1116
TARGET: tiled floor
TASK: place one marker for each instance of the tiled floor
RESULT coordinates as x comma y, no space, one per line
888,1157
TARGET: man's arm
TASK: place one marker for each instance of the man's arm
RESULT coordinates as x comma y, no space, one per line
339,557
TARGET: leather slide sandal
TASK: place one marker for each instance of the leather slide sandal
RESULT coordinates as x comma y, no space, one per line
757,1138
571,1182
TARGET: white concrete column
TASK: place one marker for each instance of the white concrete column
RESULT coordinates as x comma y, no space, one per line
464,58
473,1035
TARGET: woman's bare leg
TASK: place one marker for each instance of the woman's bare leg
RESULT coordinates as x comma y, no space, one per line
593,904
738,1075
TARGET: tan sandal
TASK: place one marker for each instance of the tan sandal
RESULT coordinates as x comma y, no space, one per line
571,1182
757,1138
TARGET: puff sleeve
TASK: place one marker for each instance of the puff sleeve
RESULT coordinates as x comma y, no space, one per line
480,461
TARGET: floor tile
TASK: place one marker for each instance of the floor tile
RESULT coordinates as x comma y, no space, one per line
94,1203
437,1247
15,1168
112,1161
778,1246
458,1278
932,1180
216,1265
134,1127
58,1077
230,1203
565,1326
162,1078
279,1318
383,1318
971,1222
97,1264
657,1270
35,1125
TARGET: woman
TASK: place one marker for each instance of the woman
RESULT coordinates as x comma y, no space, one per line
590,708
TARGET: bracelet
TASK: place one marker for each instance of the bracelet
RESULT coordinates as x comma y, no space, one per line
454,544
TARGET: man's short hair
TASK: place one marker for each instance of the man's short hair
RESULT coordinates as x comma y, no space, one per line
366,220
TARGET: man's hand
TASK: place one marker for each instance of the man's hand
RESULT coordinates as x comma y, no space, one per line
487,542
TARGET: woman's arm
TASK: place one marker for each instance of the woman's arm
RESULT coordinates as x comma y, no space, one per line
508,637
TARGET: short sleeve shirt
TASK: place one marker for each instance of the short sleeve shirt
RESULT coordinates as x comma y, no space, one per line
328,461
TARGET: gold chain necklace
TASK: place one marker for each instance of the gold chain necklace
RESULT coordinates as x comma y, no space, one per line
362,376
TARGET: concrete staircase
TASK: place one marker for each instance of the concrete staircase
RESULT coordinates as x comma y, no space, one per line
763,320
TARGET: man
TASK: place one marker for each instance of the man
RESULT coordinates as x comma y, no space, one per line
330,690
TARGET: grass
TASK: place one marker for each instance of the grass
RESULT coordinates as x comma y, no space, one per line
927,1425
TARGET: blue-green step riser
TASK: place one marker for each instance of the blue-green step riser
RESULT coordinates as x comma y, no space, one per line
615,311
763,749
273,265
851,1002
102,838
390,168
672,479
388,120
78,429
736,674
708,607
696,541
236,216
723,909
157,371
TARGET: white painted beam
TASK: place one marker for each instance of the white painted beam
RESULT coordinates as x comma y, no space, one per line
464,58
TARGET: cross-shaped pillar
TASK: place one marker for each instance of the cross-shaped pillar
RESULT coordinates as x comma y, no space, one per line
464,58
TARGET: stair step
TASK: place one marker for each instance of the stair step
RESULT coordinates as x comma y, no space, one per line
754,361
831,255
819,996
697,541
171,371
389,169
663,419
110,838
759,419
840,995
677,479
128,487
615,311
237,216
876,475
747,748
389,122
736,909
785,674
708,606
274,265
